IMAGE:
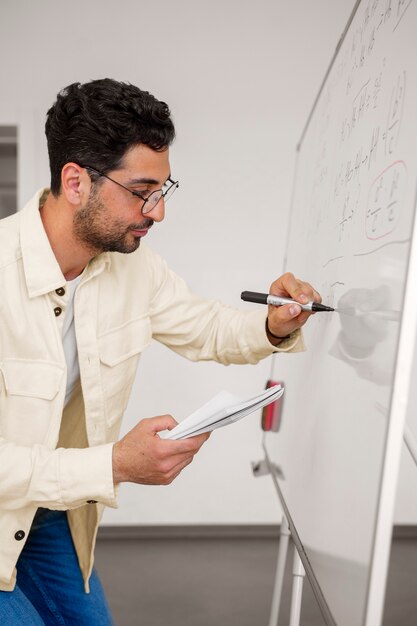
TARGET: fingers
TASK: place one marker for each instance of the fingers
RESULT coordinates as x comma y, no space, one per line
284,320
176,471
180,462
287,313
190,445
290,286
143,457
156,424
174,456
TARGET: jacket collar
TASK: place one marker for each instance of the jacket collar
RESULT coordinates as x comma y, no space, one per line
42,271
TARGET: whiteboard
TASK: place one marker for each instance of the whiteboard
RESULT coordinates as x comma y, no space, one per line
351,235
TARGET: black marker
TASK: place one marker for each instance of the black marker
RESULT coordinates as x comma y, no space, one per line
265,298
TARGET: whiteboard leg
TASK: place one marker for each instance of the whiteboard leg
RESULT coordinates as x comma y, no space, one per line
297,590
279,576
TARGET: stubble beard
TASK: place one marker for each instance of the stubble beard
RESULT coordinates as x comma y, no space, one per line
94,230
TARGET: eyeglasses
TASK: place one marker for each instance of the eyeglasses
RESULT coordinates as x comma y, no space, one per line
149,202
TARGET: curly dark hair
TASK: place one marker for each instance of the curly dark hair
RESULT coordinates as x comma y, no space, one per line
96,123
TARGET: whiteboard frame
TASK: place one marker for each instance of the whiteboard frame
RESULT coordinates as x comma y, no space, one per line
394,439
381,548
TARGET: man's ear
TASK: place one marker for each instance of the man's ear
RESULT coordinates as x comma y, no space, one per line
75,183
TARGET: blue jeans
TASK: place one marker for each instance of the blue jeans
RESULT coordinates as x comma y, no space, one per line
50,587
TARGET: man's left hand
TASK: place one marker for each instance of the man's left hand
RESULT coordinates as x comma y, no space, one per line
283,320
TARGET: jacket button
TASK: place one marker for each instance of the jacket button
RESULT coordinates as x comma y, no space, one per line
60,291
57,310
19,535
91,501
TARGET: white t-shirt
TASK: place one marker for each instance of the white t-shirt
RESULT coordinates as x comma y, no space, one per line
69,340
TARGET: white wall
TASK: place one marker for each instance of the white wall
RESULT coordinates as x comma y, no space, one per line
240,77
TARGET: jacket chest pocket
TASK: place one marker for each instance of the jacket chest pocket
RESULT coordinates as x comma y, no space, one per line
119,351
28,399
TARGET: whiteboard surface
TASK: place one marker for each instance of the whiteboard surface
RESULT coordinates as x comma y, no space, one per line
350,235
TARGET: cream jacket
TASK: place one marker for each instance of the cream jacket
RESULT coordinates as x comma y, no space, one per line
63,459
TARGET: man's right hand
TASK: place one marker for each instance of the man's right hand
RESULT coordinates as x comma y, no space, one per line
142,457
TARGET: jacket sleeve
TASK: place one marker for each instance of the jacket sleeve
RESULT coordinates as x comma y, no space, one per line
58,479
201,329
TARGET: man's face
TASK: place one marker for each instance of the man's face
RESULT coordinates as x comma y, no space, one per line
111,220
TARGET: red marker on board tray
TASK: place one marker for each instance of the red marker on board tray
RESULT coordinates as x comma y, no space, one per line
271,414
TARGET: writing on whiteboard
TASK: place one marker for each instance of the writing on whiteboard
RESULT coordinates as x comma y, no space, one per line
384,203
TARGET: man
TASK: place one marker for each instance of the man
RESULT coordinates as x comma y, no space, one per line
81,298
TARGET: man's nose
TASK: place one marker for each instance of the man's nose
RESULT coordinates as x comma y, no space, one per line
157,214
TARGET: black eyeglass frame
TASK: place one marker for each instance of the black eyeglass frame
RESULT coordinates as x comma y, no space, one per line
173,186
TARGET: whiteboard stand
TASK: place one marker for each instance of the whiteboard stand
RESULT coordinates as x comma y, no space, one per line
263,468
279,576
298,573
